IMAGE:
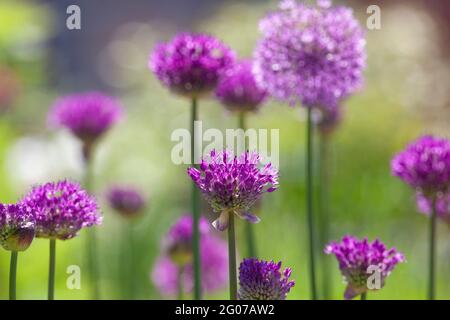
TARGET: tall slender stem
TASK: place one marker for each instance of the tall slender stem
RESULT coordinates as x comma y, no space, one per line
364,296
180,283
249,231
12,275
323,212
309,202
92,234
195,211
432,249
51,270
232,267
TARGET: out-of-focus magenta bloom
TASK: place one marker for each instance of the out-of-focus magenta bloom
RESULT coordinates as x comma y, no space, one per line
237,89
127,201
62,209
424,165
191,64
17,227
360,259
87,115
314,55
442,206
263,280
214,269
178,241
330,118
232,184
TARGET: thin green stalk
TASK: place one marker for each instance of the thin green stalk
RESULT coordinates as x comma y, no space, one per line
309,202
323,212
91,233
180,283
131,272
195,211
364,296
51,270
249,231
12,275
232,268
432,257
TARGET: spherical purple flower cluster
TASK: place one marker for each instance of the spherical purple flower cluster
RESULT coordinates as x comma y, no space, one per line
329,119
169,266
87,115
62,209
263,280
424,165
232,184
442,206
359,259
237,89
178,241
314,55
191,64
17,227
127,201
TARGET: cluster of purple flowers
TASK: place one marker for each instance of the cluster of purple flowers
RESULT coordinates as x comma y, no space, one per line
359,259
191,64
314,55
127,201
176,259
232,184
263,280
17,226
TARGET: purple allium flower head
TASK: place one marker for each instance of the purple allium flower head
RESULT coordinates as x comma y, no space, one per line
232,184
191,64
263,280
357,257
237,89
442,206
127,201
424,165
17,227
62,209
87,115
178,241
314,55
214,268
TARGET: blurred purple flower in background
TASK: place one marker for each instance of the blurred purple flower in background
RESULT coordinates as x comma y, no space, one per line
329,119
424,165
232,184
176,259
356,256
62,209
191,64
313,55
237,89
442,206
87,115
126,200
17,226
263,280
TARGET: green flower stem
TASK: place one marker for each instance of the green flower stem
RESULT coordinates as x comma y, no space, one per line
51,270
232,268
309,202
91,233
323,212
249,231
195,211
12,275
432,252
